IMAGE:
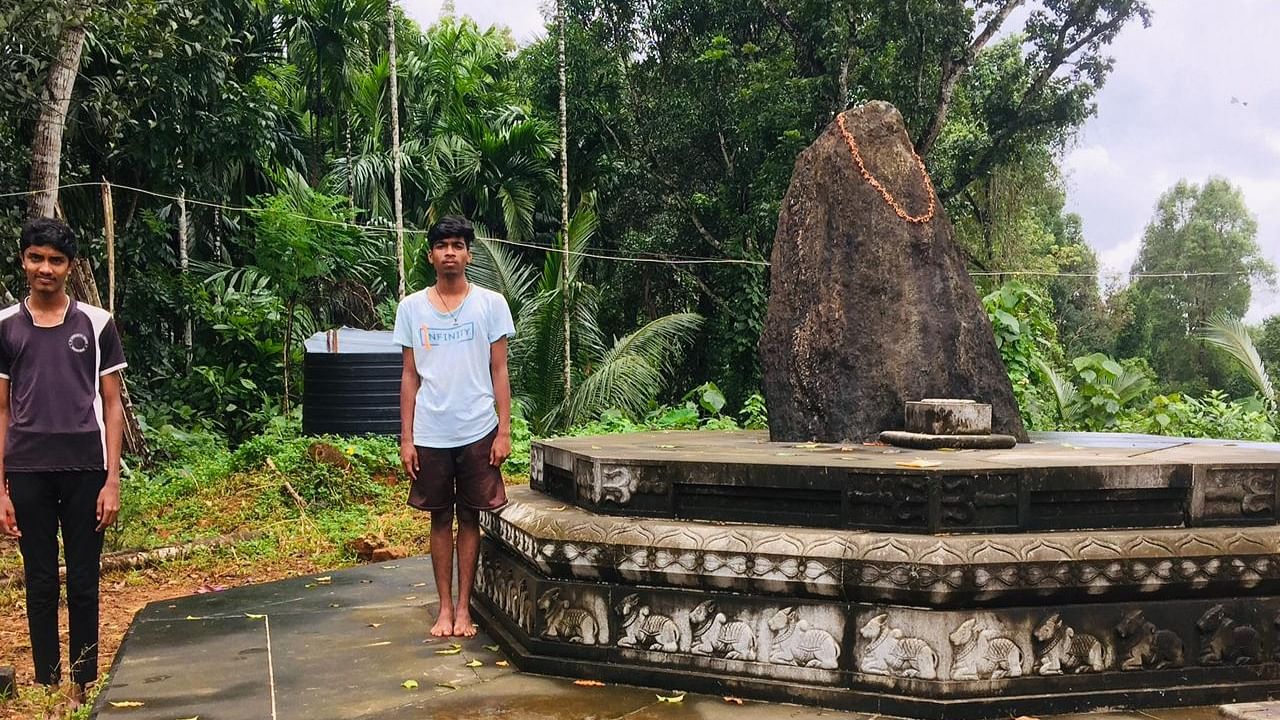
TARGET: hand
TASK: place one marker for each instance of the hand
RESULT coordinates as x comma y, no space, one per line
409,459
501,449
108,504
8,519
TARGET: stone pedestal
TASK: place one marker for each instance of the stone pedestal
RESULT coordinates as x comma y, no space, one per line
930,585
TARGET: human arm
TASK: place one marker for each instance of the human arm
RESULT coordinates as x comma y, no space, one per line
502,399
8,520
113,420
409,383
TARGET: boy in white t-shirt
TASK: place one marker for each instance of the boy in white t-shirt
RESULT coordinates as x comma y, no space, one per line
455,411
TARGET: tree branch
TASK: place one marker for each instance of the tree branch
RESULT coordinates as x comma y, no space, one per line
952,70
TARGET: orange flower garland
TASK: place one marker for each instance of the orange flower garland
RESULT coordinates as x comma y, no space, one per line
873,182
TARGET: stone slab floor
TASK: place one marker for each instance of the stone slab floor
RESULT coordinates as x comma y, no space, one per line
341,646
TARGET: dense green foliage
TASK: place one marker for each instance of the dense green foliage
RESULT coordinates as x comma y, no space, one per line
684,119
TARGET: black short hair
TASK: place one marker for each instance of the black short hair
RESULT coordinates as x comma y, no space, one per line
49,232
451,226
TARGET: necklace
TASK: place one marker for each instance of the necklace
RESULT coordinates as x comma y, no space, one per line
453,314
873,182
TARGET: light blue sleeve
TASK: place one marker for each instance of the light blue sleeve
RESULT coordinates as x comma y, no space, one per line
500,323
404,331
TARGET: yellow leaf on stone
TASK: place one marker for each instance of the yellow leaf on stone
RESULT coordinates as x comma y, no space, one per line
324,580
194,617
918,463
193,717
251,616
474,663
409,684
807,446
671,698
666,447
126,704
375,625
492,648
502,663
449,651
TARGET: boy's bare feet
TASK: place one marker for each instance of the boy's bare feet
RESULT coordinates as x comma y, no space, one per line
444,624
463,626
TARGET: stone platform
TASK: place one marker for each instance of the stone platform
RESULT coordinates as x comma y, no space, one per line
924,584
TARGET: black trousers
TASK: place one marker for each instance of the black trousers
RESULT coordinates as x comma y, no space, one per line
43,502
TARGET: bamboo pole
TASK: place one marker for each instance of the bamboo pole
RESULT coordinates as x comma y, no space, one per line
109,231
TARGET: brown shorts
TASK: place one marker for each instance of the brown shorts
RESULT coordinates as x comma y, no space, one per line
464,472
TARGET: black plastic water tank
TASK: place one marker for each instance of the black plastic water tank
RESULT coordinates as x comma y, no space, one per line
351,383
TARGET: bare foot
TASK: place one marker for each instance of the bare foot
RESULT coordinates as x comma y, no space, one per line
463,627
444,626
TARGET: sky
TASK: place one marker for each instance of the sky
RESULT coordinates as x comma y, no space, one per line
1195,95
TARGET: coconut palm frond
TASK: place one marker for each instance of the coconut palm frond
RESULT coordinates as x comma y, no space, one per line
498,269
1230,334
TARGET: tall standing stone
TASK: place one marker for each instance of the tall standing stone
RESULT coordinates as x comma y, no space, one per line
866,309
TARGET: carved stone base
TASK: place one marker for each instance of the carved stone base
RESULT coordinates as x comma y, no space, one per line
922,663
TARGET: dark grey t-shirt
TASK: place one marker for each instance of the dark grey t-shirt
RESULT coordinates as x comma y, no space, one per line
54,374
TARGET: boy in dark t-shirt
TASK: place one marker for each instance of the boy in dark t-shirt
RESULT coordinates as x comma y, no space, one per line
62,419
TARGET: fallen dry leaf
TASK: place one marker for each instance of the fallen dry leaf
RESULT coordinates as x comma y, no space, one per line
733,700
671,698
918,463
194,617
474,663
409,684
251,616
324,580
807,446
126,704
449,685
502,663
450,650
492,648
588,683
375,625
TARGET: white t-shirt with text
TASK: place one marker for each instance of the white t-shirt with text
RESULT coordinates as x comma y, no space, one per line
455,404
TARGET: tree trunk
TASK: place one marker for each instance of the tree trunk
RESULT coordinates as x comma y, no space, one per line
46,148
395,146
564,204
46,163
288,338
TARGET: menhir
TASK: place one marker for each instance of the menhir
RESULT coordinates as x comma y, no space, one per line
870,305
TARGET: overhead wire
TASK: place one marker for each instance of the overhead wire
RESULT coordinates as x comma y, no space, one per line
617,255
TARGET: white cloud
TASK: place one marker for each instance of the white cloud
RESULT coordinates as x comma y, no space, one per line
524,17
1094,162
1272,139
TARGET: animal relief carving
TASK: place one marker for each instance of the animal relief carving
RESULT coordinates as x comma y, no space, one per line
1223,641
566,623
1145,647
617,483
795,643
980,653
717,636
642,629
1059,649
889,653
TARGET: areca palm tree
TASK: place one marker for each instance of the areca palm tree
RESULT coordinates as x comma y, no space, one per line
329,41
